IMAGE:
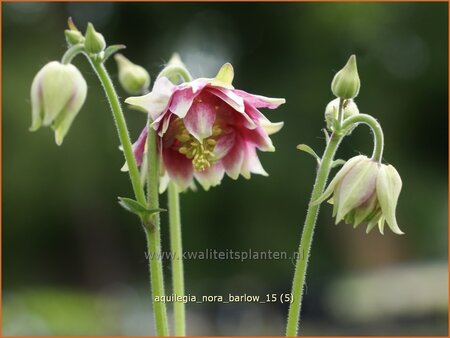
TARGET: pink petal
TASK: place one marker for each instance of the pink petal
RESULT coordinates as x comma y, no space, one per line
259,138
259,101
232,162
254,113
224,145
139,146
156,102
182,100
200,119
251,162
179,167
234,101
211,176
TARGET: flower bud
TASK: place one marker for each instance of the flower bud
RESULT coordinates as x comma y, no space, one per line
58,92
365,191
95,42
73,37
133,78
331,112
346,82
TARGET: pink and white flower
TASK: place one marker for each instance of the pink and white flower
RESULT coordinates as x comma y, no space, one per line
206,128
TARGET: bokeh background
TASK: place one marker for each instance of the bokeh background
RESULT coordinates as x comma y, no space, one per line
73,260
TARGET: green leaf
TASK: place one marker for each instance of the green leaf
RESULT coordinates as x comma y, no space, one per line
309,150
111,50
137,208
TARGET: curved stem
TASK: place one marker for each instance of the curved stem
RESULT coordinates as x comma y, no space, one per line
378,138
122,129
177,259
172,72
307,235
71,53
152,230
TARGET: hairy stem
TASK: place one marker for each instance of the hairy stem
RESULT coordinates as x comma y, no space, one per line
307,235
122,129
71,53
177,261
378,138
151,225
152,229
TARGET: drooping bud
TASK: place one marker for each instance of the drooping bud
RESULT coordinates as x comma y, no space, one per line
95,42
58,92
365,191
331,112
133,78
346,82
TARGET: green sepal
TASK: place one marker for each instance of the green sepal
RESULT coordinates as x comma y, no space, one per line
137,208
111,50
309,150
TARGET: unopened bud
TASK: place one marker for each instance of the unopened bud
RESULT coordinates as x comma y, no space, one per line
73,37
331,112
346,83
133,78
58,92
95,42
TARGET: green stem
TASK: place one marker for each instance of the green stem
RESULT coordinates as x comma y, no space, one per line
174,73
122,129
152,230
341,111
378,138
71,53
177,261
313,210
151,225
307,235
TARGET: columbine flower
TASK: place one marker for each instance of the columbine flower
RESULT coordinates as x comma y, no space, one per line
58,92
365,191
207,128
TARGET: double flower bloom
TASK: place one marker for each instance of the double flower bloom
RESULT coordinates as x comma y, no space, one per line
206,128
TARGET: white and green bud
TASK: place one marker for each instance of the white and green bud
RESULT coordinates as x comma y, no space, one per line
134,79
331,112
365,191
346,83
94,42
73,37
58,92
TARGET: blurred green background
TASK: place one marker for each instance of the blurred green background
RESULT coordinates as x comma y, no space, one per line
73,260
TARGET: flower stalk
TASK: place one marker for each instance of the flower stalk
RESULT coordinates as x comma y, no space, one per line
325,166
152,230
307,235
151,225
122,129
176,248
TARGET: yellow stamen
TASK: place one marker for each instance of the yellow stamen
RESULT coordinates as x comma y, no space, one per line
200,152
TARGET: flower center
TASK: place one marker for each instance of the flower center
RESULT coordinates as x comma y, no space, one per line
200,152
